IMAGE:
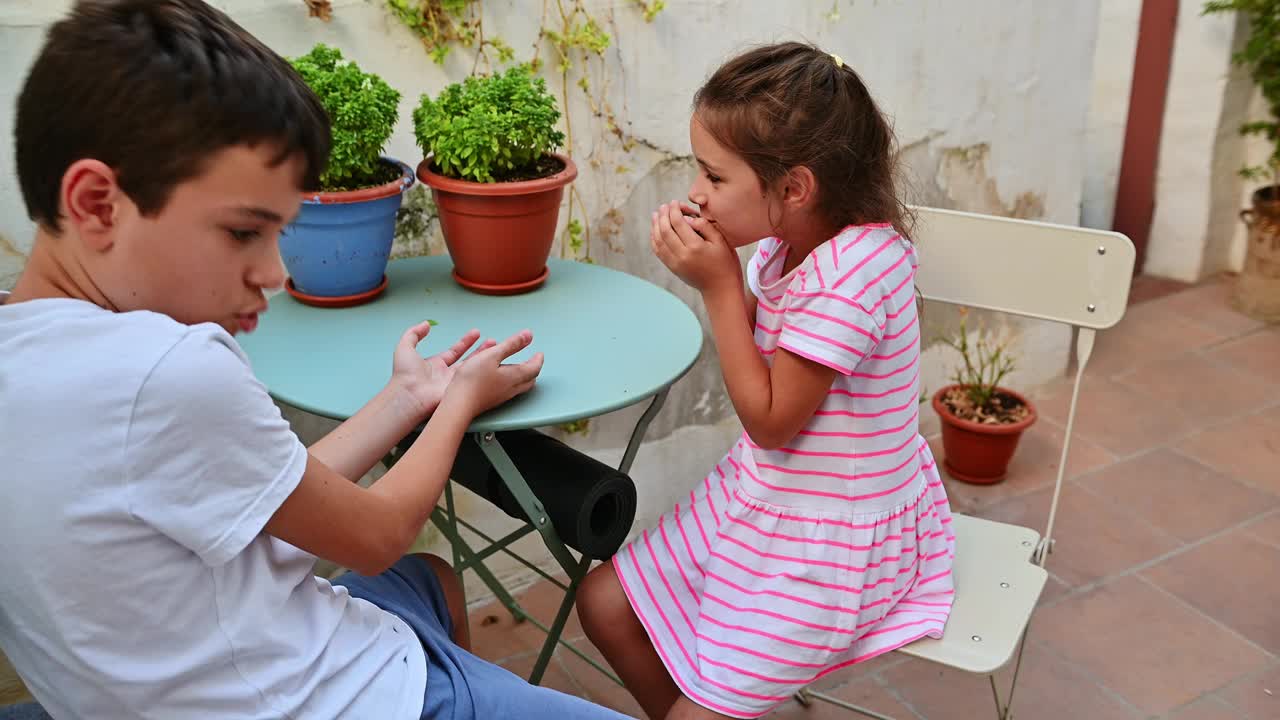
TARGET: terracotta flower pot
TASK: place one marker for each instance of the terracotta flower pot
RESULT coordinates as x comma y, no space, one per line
979,453
499,234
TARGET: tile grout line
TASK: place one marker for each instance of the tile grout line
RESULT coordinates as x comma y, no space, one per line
558,660
1088,674
1074,592
1209,696
1101,682
1228,474
1065,379
1270,656
1150,563
1172,442
1085,475
1140,521
893,692
1238,525
1125,380
1243,525
1181,546
1208,327
1274,512
1243,677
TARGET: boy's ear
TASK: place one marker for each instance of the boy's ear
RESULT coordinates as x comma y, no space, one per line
800,187
91,197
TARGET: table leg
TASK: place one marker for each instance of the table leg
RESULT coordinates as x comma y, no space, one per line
642,426
576,569
454,541
530,504
465,558
524,497
447,522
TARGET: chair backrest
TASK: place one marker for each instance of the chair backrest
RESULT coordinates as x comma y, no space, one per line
1071,275
1067,274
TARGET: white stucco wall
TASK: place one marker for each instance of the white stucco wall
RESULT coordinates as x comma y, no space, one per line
1195,231
1108,108
1194,121
989,100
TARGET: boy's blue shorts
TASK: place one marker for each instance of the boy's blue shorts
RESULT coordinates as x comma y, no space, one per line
460,686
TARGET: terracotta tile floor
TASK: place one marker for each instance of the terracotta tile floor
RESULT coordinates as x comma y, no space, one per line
1162,596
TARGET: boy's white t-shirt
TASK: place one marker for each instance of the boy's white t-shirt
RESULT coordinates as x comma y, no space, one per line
141,459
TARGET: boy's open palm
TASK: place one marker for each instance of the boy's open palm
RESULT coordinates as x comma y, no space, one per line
423,380
482,380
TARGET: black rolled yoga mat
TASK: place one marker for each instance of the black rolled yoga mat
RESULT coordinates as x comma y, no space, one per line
590,504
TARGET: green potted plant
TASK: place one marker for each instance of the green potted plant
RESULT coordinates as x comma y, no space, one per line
1257,289
336,251
982,421
489,158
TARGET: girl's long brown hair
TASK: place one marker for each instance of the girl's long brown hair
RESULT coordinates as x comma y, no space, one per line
788,105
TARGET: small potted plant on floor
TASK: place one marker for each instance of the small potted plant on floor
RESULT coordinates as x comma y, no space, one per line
982,421
489,158
1257,289
336,251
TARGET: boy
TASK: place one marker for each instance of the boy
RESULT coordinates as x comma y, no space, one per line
159,519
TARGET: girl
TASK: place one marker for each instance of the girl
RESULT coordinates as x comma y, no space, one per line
823,538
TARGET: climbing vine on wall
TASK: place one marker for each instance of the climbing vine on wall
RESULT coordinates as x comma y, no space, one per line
443,24
574,40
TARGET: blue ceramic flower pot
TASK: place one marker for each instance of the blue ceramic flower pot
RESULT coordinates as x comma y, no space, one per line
340,242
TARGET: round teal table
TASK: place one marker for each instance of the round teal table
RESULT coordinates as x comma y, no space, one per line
611,340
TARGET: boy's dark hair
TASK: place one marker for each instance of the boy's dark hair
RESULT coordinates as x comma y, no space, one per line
153,88
790,104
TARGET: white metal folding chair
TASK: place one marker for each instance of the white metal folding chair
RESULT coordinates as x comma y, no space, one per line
1070,275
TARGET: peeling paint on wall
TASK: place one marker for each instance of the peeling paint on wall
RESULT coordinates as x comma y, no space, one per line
7,248
12,261
417,226
962,174
957,177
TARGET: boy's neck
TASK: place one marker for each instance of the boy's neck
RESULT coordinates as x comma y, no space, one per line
54,271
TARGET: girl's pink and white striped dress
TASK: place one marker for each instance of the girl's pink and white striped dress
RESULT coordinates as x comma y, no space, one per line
784,565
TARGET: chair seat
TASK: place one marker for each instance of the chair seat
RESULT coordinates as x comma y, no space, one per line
997,587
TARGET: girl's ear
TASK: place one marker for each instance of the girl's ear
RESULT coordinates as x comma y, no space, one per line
799,188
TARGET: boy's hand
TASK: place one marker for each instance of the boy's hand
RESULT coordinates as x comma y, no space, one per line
694,250
482,381
420,380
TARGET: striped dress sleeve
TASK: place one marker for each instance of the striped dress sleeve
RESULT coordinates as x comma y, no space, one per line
825,319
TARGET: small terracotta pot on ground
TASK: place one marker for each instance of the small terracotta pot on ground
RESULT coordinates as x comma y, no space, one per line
975,452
